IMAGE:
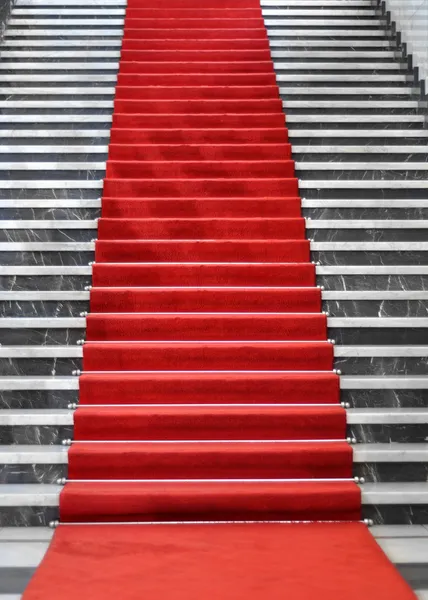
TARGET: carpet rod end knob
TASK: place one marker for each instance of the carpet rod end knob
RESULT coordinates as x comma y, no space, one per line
53,524
369,522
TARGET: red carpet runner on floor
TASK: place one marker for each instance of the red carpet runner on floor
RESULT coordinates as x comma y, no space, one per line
208,391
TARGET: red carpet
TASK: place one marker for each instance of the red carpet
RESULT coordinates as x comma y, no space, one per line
208,391
330,561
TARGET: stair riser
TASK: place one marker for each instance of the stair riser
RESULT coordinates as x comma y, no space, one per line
371,282
385,398
28,516
54,399
335,308
54,434
342,336
381,515
396,515
47,214
384,258
38,399
329,282
47,258
38,366
48,282
363,213
43,309
372,472
318,235
348,366
34,435
34,473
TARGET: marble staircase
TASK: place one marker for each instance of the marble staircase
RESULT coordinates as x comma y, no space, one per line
358,124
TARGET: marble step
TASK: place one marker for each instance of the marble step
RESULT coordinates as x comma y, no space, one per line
302,104
367,270
319,230
342,4
359,382
298,89
374,462
392,281
51,426
321,148
349,359
115,11
363,453
317,24
388,45
390,392
95,203
87,31
49,62
354,122
352,303
315,246
275,54
331,78
343,330
355,416
46,351
36,504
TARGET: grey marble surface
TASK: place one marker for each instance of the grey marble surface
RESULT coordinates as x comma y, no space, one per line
385,398
376,213
34,434
43,308
367,434
28,516
37,399
40,337
392,472
50,282
370,258
47,214
48,235
381,366
355,235
31,473
46,258
38,366
56,193
376,308
371,282
354,336
396,515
